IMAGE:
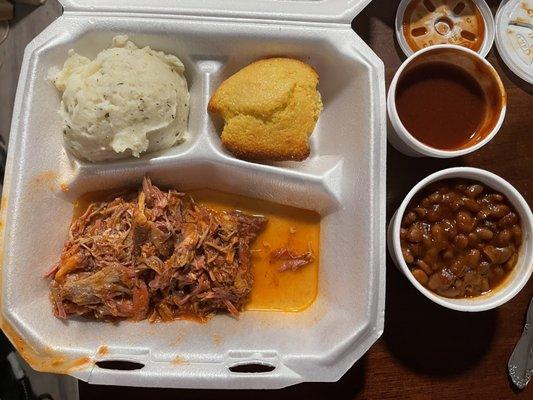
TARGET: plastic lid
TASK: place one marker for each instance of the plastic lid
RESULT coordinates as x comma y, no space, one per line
294,10
424,23
514,36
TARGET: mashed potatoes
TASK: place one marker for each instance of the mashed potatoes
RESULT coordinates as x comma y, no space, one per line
125,102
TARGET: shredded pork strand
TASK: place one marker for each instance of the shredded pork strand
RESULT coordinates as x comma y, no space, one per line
154,254
292,261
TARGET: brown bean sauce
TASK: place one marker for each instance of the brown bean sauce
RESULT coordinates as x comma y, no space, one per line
442,106
460,238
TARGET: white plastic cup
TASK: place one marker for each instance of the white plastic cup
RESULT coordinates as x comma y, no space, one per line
520,274
400,138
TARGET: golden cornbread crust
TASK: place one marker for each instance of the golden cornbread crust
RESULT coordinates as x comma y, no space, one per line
270,109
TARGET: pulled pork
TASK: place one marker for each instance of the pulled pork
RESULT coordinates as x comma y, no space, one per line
152,254
292,261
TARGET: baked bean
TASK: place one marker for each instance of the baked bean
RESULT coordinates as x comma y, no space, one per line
440,280
446,276
460,238
458,267
503,238
511,262
438,234
472,258
456,204
473,240
471,278
517,234
484,234
407,256
483,214
414,235
420,212
434,214
484,267
447,198
416,249
448,224
420,276
434,282
498,211
474,191
424,267
409,218
508,220
472,205
431,256
435,198
449,228
494,197
465,222
461,241
491,198
427,242
498,255
447,255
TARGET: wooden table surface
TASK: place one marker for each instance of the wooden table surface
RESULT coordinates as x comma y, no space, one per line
426,351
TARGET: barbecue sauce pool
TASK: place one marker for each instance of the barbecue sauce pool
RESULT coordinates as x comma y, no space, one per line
442,106
287,226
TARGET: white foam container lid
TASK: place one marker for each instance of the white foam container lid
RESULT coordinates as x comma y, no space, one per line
514,36
343,179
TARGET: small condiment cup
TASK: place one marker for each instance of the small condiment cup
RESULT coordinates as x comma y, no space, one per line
470,61
446,14
517,278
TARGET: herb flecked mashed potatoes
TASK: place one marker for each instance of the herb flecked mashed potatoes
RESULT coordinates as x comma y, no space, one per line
125,102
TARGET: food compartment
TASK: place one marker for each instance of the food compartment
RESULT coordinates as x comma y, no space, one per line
295,190
344,83
207,64
343,181
53,55
162,347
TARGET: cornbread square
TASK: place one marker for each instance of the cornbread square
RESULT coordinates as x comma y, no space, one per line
270,108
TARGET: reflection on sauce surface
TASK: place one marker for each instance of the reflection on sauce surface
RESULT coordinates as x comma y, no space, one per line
272,290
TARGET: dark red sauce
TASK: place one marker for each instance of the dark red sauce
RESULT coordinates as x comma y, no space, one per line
442,106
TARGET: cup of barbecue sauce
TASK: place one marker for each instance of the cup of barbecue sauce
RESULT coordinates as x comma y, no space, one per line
444,101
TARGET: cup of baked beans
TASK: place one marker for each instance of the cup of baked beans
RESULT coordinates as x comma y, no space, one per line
463,238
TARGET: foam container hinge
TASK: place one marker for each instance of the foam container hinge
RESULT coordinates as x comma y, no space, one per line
343,179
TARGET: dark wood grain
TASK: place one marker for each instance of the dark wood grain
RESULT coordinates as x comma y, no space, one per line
426,351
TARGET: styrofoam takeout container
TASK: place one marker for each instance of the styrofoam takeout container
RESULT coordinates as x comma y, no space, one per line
523,268
344,180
